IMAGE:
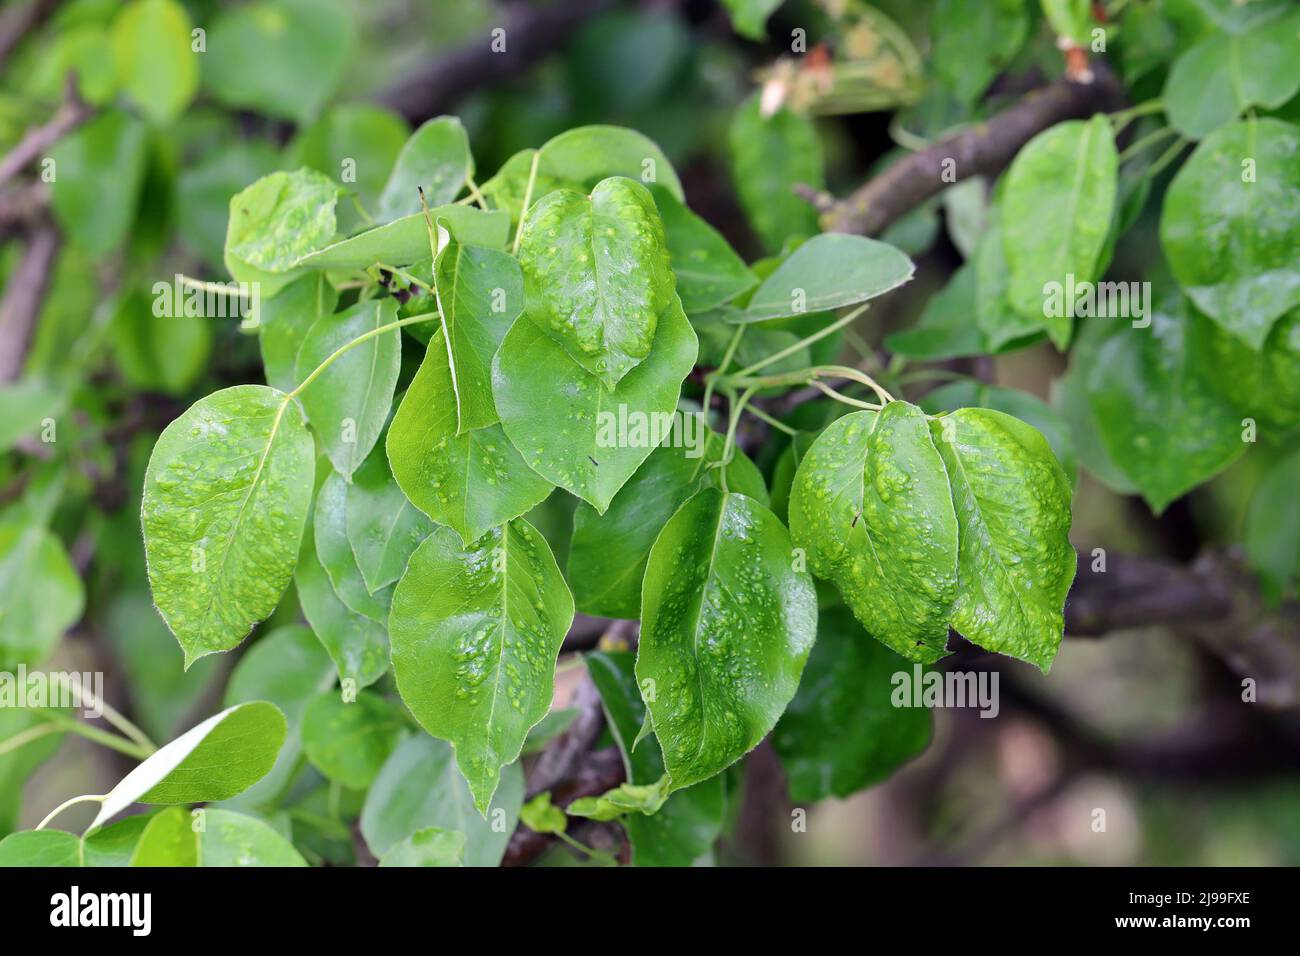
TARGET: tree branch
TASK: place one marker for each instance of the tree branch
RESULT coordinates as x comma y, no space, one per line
19,19
22,300
531,33
72,113
984,148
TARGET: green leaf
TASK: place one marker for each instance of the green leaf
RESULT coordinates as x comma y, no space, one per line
226,497
419,787
215,760
471,482
283,323
436,158
1163,427
995,315
749,17
357,144
596,274
871,505
583,156
277,221
27,403
383,526
707,269
1015,562
1272,532
608,553
283,58
565,422
690,822
1263,385
287,667
115,844
726,625
156,67
204,188
1231,242
405,241
349,403
18,762
972,44
542,816
159,353
228,839
33,848
1212,83
480,294
476,631
334,550
624,799
348,741
842,732
945,329
1028,408
100,171
41,595
769,155
828,272
1056,206
428,847
357,645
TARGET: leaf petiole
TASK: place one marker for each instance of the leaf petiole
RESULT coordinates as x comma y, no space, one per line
72,802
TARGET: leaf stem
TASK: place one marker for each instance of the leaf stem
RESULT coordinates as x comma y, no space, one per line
1121,118
727,356
20,740
102,737
841,397
364,336
528,198
807,340
474,191
114,717
773,422
1143,142
72,802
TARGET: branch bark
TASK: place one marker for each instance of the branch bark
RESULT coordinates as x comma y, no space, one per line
982,149
19,19
72,113
22,300
531,33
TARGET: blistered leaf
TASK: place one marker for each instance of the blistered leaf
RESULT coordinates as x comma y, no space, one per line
1015,562
1231,224
596,274
348,404
420,787
277,221
568,426
476,631
1056,212
471,482
435,158
608,553
215,760
226,497
726,625
828,272
428,847
871,505
842,731
348,741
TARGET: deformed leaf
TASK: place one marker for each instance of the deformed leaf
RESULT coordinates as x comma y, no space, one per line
215,760
476,631
726,626
471,482
568,426
596,274
275,222
1015,561
624,799
871,505
226,497
542,816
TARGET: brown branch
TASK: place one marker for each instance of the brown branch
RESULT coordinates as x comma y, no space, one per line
72,113
985,148
531,34
22,300
19,19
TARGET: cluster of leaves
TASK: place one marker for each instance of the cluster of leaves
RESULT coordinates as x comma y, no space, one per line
432,472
